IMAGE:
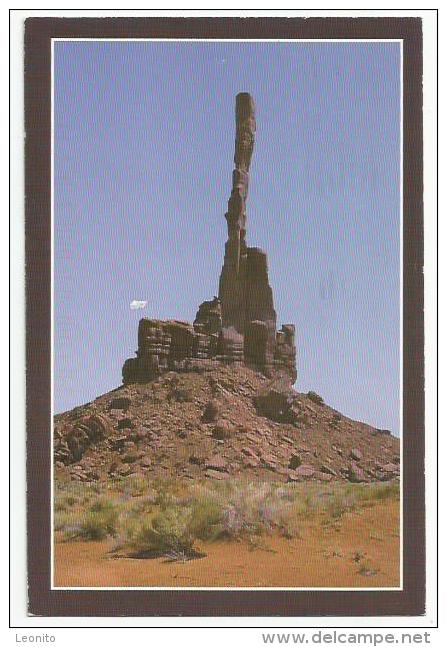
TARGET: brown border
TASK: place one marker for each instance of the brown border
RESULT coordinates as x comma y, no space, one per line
42,600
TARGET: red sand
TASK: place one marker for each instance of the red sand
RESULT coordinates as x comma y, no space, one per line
360,550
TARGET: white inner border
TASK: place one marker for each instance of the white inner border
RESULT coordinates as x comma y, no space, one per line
211,40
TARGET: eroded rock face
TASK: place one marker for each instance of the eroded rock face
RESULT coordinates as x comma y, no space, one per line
75,441
209,317
244,289
238,326
356,474
276,404
217,432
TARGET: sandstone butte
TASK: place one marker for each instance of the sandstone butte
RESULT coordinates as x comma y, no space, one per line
214,398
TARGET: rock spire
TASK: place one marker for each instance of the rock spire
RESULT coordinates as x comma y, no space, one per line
238,326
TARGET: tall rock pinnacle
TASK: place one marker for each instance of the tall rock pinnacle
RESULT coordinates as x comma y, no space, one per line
231,286
238,327
245,139
244,290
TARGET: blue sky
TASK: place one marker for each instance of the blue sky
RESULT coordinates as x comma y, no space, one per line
143,156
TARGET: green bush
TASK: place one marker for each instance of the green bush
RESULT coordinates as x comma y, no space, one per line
165,493
100,521
62,520
174,530
206,518
168,516
341,504
314,397
380,491
168,532
138,486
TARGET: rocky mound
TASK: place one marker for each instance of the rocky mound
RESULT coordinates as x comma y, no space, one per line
222,423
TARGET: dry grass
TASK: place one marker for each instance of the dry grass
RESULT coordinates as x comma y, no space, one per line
168,517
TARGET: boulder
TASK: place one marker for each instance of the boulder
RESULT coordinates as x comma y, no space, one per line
195,459
295,461
269,461
216,474
323,476
223,430
328,470
84,433
356,455
305,471
122,403
387,472
248,451
390,467
211,411
118,442
216,463
125,423
356,474
276,404
130,457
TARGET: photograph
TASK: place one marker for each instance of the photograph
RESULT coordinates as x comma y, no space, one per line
227,313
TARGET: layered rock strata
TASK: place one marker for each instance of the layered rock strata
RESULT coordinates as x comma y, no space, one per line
239,326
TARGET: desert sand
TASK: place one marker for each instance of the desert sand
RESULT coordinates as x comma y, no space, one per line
361,550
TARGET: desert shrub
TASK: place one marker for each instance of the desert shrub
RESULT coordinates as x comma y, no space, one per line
142,505
138,486
165,493
291,506
167,517
381,491
367,494
237,510
248,511
62,520
211,411
60,506
349,497
66,495
259,509
290,526
285,492
182,395
99,521
165,499
367,569
237,522
92,528
342,502
206,518
167,532
130,457
314,397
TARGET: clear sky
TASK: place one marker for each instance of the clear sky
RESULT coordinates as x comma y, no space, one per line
143,156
